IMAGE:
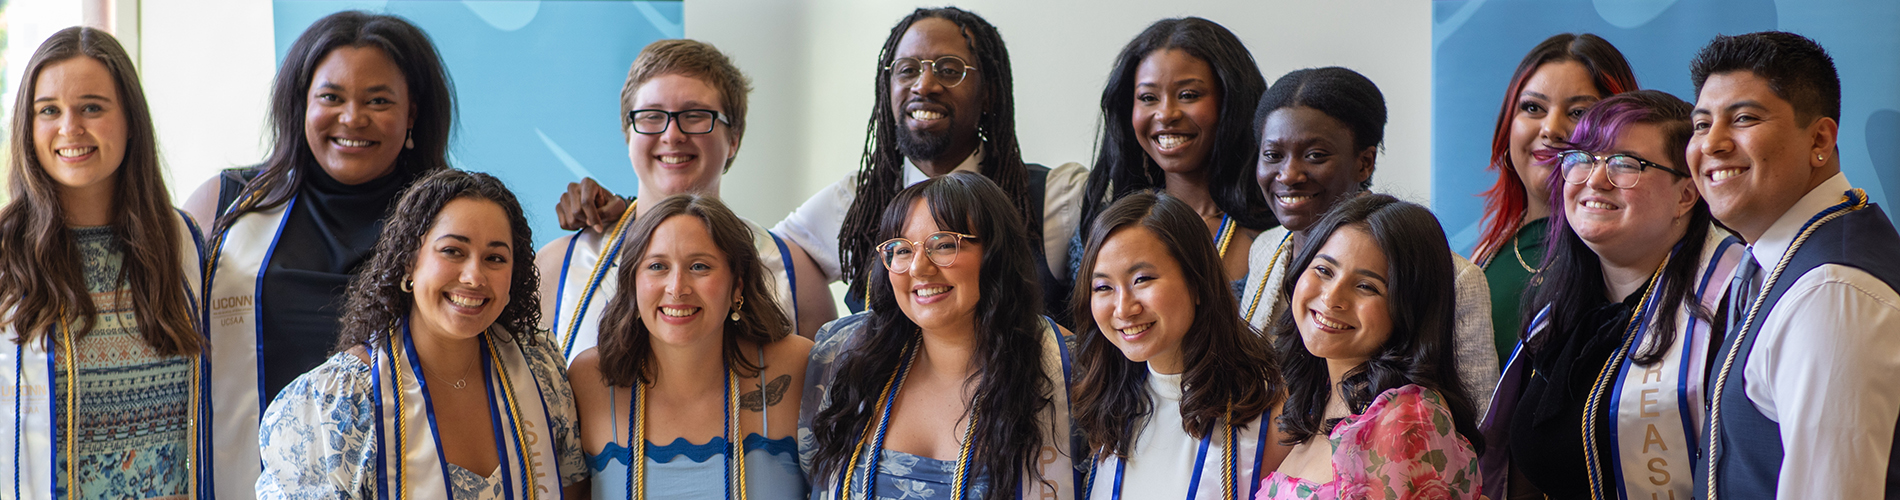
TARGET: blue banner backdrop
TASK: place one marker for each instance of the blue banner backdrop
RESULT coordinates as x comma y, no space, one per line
1476,44
537,84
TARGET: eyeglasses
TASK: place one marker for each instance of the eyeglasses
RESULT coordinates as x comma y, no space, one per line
949,70
692,121
898,254
1625,170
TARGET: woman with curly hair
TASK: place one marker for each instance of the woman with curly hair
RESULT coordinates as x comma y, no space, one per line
1176,393
694,351
1374,409
438,342
102,369
950,386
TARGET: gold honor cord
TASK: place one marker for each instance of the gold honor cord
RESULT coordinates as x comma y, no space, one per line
636,443
514,411
878,426
1226,234
1855,200
1254,305
1227,453
72,405
1593,470
608,253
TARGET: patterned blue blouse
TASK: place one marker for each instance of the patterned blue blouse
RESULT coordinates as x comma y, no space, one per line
318,436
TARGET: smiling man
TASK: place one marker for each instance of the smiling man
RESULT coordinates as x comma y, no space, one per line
1803,399
944,103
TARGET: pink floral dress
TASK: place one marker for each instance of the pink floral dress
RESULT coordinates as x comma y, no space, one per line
1403,447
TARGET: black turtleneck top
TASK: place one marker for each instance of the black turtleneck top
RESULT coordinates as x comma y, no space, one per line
330,233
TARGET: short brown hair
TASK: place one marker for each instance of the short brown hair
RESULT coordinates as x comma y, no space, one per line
694,59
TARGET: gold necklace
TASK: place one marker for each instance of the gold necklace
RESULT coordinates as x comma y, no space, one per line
1516,249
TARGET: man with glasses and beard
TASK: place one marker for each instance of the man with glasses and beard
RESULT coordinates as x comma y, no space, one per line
944,104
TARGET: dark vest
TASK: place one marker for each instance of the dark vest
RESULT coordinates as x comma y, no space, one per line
1749,444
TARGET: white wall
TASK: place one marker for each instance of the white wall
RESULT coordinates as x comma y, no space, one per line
207,66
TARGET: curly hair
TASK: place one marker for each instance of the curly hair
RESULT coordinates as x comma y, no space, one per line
1420,303
1230,370
1121,165
291,159
40,270
375,301
1011,386
626,347
881,172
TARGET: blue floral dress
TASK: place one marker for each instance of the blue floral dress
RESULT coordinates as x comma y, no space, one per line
319,435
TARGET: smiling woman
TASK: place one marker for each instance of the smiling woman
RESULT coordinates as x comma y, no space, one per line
439,340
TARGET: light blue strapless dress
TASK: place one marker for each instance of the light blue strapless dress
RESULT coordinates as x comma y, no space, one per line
685,470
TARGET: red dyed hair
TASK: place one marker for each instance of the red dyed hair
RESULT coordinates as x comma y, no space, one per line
1504,202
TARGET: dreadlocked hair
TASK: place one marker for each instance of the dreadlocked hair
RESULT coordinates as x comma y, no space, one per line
880,173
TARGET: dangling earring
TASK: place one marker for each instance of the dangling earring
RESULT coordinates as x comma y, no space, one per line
407,285
735,308
409,139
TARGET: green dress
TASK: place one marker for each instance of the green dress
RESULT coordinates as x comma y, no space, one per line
1510,282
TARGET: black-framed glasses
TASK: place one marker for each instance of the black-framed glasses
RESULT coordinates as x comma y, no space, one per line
1625,170
899,254
691,121
949,70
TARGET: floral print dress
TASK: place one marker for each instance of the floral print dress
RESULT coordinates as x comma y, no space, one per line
1403,446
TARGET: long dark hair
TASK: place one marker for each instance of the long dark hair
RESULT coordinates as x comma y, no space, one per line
1011,386
375,301
1573,282
881,173
290,160
1504,203
626,346
1420,300
42,280
1228,368
1121,164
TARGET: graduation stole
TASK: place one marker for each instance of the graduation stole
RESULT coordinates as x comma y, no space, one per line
1656,410
28,448
234,279
1054,460
409,446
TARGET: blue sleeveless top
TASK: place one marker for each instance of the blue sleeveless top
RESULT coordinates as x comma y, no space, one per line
685,470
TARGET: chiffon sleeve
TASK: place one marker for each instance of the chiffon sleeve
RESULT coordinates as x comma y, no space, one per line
316,436
550,373
1403,447
828,344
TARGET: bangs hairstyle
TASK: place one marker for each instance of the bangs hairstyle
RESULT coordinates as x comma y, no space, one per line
881,171
691,59
375,301
1419,301
430,93
1121,165
1228,368
1574,279
42,278
626,345
1340,93
1011,387
1797,69
1504,203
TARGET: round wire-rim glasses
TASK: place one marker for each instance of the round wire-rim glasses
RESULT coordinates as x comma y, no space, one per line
949,70
899,254
1625,170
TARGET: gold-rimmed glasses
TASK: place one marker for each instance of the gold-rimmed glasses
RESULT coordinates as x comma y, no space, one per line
899,254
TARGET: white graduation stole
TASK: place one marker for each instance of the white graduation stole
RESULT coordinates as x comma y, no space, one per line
234,281
27,445
408,444
1658,409
589,282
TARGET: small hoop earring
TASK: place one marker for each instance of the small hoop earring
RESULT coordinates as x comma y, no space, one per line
409,139
407,285
735,308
